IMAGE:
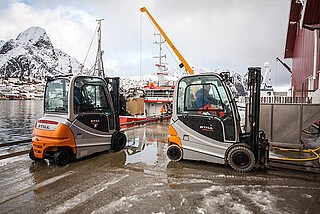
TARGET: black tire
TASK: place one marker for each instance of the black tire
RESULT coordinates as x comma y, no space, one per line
241,159
31,155
119,141
62,157
174,153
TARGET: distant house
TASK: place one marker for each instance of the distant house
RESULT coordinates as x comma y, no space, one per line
303,46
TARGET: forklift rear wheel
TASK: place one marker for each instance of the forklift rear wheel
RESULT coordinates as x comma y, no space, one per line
62,157
241,159
31,155
174,152
119,142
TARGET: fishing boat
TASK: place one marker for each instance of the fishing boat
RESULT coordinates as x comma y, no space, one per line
156,98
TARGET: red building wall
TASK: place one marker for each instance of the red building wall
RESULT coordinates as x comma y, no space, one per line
317,81
302,61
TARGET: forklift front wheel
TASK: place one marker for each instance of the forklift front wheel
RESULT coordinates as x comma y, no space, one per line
174,152
62,157
119,141
241,159
32,156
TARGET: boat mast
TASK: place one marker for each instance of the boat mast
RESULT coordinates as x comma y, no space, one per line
161,65
98,68
162,68
184,63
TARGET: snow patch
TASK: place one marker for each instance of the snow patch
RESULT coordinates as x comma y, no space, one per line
305,195
218,197
182,202
117,205
206,191
35,187
194,181
262,199
201,210
225,200
7,161
157,184
84,196
124,202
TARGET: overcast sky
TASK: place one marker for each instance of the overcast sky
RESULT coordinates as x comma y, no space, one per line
213,34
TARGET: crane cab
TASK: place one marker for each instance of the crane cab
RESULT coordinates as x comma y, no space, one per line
205,124
80,118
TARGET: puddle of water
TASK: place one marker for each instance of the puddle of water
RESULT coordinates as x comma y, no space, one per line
146,143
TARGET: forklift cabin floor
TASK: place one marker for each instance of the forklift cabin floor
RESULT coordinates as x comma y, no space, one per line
141,179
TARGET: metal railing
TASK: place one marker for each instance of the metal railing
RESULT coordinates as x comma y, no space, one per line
280,100
285,99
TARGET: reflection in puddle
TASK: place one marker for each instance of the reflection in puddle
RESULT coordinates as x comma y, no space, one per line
146,143
147,155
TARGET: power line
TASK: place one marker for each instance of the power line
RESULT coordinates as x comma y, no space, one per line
140,66
94,34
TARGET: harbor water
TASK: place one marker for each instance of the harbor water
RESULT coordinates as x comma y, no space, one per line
17,118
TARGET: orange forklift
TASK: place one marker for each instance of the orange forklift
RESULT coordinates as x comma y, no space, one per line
81,117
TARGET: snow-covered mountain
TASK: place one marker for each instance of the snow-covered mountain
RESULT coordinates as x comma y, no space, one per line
128,82
238,87
131,82
2,43
32,56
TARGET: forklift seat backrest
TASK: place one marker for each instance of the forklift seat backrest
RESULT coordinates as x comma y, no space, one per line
190,100
77,92
192,103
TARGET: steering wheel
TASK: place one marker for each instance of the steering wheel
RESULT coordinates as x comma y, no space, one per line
213,110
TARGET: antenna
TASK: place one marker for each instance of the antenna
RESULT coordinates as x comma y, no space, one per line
162,68
161,65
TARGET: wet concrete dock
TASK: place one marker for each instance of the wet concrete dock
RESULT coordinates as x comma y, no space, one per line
141,179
